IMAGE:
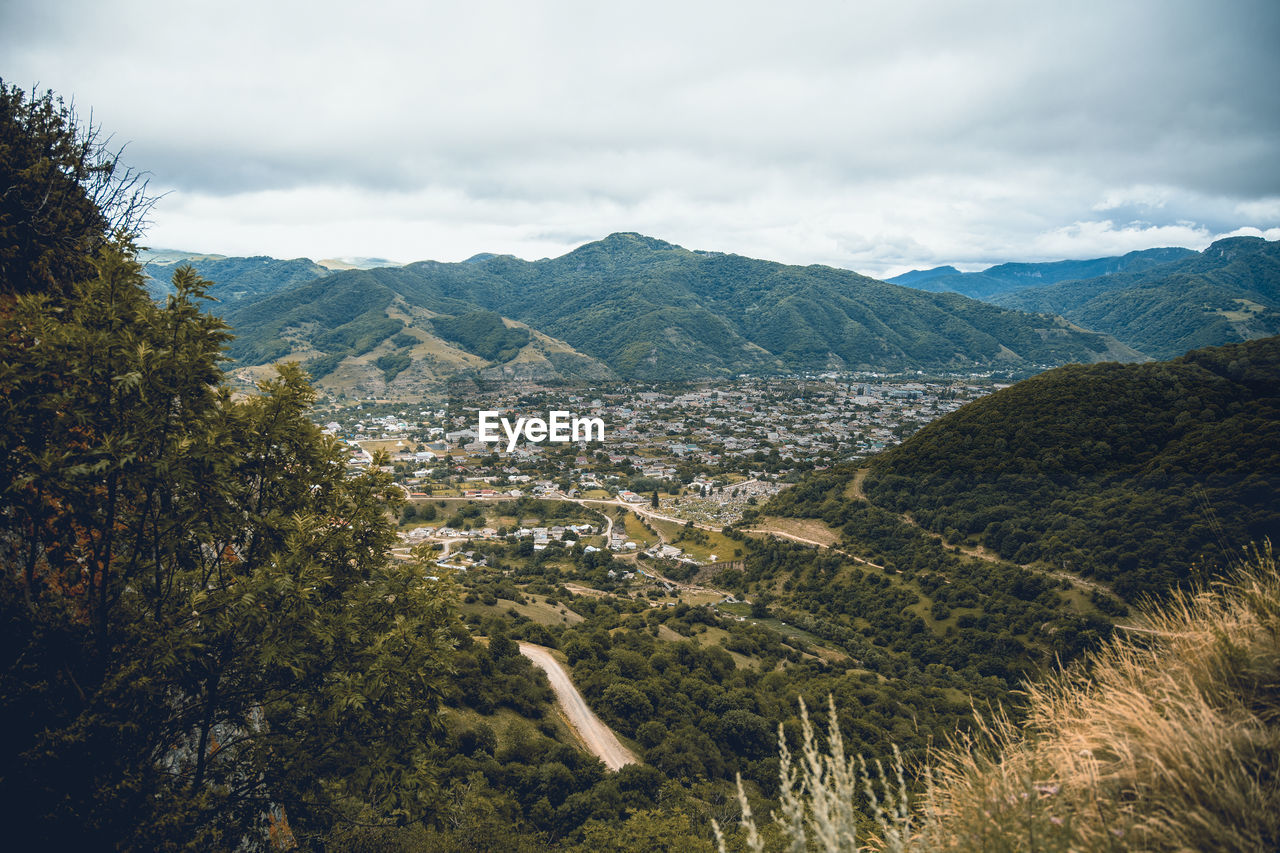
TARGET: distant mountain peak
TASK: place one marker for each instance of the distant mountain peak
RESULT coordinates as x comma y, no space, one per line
1228,245
993,282
910,279
633,238
481,257
356,263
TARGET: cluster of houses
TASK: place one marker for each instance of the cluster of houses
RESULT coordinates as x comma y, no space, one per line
541,536
703,438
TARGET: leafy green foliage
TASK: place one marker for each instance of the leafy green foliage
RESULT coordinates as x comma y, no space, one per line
62,194
404,339
393,364
484,334
200,623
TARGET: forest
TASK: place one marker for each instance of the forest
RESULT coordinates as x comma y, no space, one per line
1130,474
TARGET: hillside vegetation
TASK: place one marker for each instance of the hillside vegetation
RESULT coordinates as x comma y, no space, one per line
1127,473
204,642
1229,292
1007,278
1163,742
484,334
652,310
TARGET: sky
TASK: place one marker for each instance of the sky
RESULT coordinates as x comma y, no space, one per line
871,135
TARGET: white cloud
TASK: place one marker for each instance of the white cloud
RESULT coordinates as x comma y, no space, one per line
1141,196
1260,210
859,134
1250,231
1104,237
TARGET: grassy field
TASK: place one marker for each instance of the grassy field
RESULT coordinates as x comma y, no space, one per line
637,530
700,545
699,598
805,528
706,639
536,609
510,727
786,630
390,445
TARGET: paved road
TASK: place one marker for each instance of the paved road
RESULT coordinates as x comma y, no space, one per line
598,737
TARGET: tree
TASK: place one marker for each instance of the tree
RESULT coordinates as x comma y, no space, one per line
654,501
502,646
202,638
644,830
63,194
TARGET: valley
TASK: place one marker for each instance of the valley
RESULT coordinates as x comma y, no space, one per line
627,621
556,535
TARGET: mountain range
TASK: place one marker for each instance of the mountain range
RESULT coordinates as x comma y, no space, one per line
234,279
1229,292
635,307
1161,302
638,308
1004,278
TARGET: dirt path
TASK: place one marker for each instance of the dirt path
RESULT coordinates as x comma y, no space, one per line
855,485
595,735
782,534
855,490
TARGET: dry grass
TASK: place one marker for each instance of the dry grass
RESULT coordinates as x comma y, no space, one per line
809,529
1168,741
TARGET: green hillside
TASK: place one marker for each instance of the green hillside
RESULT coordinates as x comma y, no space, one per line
482,333
1126,473
652,310
1229,292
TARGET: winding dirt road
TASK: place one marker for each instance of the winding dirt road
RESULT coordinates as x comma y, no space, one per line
597,737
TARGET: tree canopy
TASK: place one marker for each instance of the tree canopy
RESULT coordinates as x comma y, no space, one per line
202,637
63,193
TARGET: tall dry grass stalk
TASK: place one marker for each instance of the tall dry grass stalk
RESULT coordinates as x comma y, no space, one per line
1166,739
817,794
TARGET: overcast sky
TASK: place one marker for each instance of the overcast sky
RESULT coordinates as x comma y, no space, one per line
874,136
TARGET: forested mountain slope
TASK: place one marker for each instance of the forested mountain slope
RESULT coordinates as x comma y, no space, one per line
1005,278
1229,292
652,310
1128,473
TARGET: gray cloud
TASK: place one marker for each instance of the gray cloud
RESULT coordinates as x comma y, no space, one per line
853,133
